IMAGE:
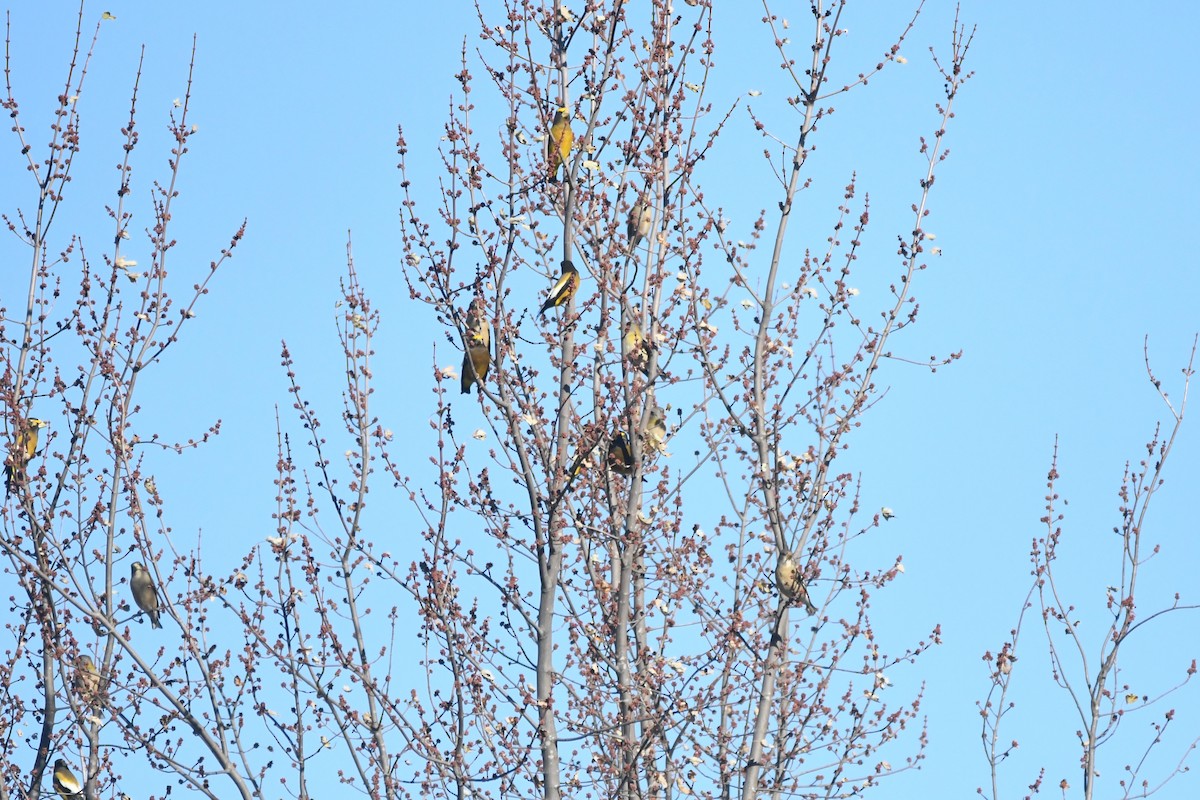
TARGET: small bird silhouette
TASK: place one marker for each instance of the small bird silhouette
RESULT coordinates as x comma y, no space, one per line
790,582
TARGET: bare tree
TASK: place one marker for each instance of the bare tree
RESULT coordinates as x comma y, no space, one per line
1089,668
640,653
79,509
635,571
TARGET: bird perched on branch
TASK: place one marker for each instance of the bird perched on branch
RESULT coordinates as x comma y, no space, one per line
620,454
478,355
656,428
23,450
144,593
558,142
65,782
637,227
563,289
634,345
790,582
87,679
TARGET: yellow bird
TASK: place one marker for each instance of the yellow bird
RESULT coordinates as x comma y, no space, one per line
790,582
620,454
577,465
22,452
65,782
656,428
558,143
563,289
637,227
478,355
634,345
144,593
87,679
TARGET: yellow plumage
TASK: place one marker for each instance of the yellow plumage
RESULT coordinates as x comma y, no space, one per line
563,289
23,450
634,345
559,142
620,455
656,428
478,355
790,582
65,782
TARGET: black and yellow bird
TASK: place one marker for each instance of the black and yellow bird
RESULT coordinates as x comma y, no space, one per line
559,142
65,782
790,582
563,289
144,593
637,227
478,355
620,454
22,452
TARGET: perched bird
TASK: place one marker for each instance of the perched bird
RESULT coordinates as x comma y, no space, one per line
637,227
65,782
656,428
577,465
23,450
563,289
144,593
790,582
558,143
634,345
620,454
478,355
87,679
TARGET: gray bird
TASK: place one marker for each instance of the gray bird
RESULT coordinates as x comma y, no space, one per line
637,226
144,593
790,582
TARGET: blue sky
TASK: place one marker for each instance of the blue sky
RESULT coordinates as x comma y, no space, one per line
1062,213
